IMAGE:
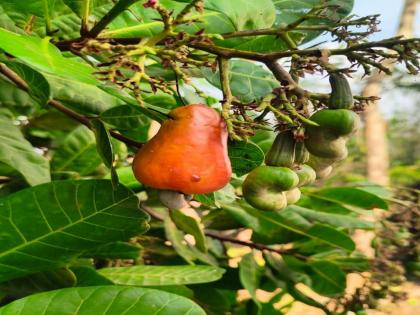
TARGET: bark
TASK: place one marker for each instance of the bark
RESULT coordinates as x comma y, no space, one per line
377,154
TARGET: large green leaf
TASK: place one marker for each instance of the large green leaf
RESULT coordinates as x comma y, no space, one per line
249,81
77,153
47,226
103,300
162,275
244,156
44,56
18,153
267,223
352,197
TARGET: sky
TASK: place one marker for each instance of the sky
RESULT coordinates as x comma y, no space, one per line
390,10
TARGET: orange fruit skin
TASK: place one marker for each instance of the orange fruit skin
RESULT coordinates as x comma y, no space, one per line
188,154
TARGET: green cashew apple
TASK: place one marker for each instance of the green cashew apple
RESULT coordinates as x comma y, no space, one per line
328,140
306,174
301,153
341,96
293,196
264,188
282,152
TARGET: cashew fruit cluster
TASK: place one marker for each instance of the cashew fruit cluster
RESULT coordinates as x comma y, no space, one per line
275,185
291,163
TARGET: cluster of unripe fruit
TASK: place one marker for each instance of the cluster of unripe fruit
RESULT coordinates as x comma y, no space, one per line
189,153
291,163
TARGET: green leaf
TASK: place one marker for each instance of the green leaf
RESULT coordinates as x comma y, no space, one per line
249,81
18,153
352,197
77,153
162,275
244,156
126,117
47,226
15,99
268,223
93,100
44,56
105,149
218,17
103,299
340,220
39,87
116,250
39,282
191,226
328,279
338,239
89,277
250,274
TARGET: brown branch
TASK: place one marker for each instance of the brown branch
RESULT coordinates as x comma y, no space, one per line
5,179
223,238
20,83
285,78
268,57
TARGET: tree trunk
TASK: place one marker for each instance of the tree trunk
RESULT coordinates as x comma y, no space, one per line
377,155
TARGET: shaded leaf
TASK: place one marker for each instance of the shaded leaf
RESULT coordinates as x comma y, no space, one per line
125,117
104,148
39,87
250,274
116,250
328,279
89,277
17,153
77,153
244,156
191,226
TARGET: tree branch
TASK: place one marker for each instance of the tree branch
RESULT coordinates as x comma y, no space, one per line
20,83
